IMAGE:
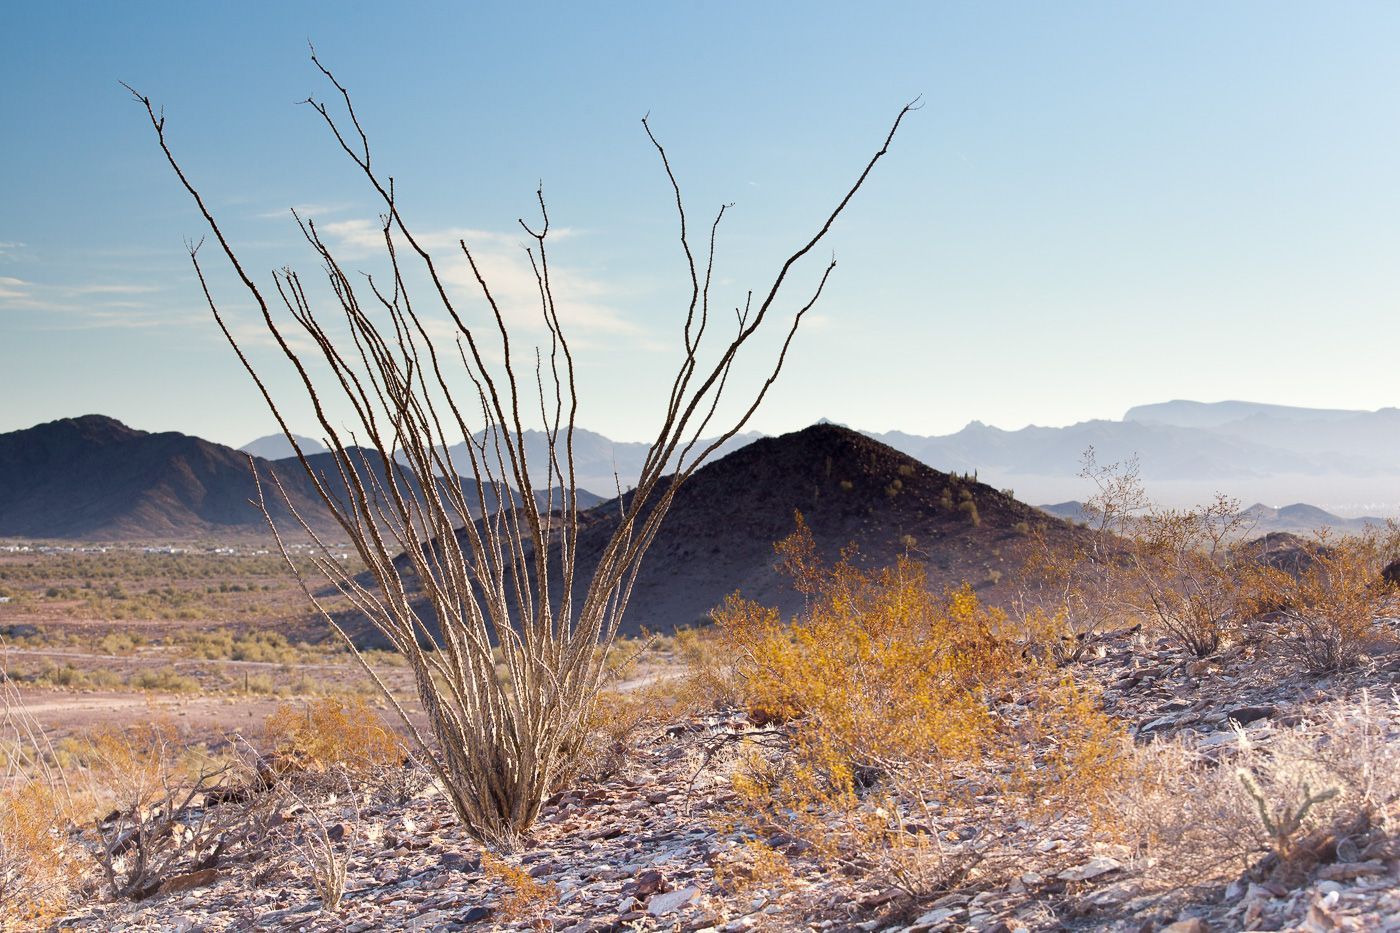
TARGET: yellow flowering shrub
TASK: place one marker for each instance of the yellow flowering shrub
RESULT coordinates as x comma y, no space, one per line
894,704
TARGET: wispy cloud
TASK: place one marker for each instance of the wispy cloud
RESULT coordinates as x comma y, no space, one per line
584,301
9,249
85,305
305,211
112,289
120,319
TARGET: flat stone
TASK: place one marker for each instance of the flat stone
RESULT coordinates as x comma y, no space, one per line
671,901
1245,715
1348,871
935,917
1187,925
1100,865
188,881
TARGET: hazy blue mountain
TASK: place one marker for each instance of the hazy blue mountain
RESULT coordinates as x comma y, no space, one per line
1346,461
601,464
277,447
1188,414
1298,518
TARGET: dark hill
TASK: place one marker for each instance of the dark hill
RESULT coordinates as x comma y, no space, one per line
95,477
719,534
851,489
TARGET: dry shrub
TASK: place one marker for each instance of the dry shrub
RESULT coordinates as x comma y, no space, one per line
152,786
341,734
1317,792
609,731
41,865
877,664
1181,575
1178,571
524,897
891,700
754,868
711,680
1064,753
1071,589
1333,596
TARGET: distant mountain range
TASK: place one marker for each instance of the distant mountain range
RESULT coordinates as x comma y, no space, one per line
1259,519
97,478
602,465
1347,462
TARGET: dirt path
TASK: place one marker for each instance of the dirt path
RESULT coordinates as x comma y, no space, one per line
138,657
207,717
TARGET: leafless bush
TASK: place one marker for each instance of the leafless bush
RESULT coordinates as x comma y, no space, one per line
316,845
1072,591
1332,599
1176,570
170,814
1322,789
158,825
40,862
510,578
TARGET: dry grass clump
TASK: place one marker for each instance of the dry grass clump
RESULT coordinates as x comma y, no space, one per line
323,858
1324,791
525,897
1333,596
152,787
893,716
40,863
335,733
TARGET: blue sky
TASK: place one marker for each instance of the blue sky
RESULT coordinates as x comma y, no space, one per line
1099,205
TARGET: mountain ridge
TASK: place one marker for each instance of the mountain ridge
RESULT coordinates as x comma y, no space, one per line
93,477
851,491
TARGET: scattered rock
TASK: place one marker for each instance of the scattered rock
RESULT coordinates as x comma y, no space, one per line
1187,925
648,883
671,901
188,881
1245,715
1100,865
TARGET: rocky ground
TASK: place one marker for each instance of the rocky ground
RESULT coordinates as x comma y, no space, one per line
653,848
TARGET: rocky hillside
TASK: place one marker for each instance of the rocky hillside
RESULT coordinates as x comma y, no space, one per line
651,844
94,477
851,490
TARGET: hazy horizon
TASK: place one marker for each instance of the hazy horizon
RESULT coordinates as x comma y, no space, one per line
308,430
